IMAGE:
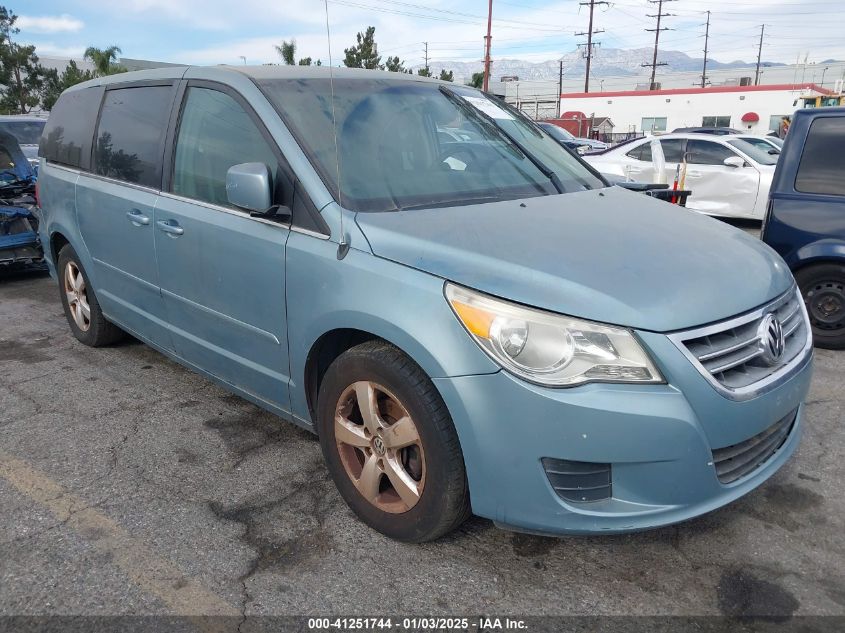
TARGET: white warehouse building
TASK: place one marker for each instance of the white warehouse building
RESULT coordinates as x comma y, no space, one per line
756,109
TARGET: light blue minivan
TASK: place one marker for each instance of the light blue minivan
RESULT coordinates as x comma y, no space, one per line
471,322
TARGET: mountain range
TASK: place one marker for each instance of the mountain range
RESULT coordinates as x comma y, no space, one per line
607,62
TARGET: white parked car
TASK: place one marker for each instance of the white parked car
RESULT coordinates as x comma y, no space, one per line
727,175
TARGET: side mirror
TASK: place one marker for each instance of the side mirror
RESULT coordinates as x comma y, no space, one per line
734,161
248,186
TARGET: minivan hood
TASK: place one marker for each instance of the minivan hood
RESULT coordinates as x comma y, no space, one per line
607,255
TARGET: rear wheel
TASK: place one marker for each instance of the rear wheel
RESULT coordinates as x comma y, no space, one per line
390,444
82,309
823,289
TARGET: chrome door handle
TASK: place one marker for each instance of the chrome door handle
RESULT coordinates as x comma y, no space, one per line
137,218
170,227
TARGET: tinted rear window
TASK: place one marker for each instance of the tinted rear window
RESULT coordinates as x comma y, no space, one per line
69,132
129,138
822,167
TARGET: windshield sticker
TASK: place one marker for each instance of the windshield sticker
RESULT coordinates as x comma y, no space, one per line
488,107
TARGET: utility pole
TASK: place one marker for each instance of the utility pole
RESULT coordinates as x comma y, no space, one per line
487,45
589,47
560,87
659,15
426,57
706,42
759,55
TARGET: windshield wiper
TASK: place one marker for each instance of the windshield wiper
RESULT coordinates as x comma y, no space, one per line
452,202
489,123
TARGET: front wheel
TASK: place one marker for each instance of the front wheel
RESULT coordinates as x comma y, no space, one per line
390,444
823,289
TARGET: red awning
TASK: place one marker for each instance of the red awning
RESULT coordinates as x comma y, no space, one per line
750,117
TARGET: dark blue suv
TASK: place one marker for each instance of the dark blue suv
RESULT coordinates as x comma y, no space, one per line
805,222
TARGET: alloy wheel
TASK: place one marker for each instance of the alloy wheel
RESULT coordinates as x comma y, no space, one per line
77,296
380,447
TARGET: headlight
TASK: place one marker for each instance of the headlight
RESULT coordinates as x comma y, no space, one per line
583,149
551,349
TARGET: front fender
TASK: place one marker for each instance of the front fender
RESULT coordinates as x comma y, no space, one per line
401,305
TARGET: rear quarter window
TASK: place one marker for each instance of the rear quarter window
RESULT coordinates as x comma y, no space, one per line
69,133
822,166
130,136
642,152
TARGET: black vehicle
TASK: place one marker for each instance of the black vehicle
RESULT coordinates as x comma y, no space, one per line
566,139
805,221
717,131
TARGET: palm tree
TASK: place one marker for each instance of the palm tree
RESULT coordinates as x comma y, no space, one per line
104,59
287,51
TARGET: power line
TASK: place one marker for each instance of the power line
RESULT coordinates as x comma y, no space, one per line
659,15
589,49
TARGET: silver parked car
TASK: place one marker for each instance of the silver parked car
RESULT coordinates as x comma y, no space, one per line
27,130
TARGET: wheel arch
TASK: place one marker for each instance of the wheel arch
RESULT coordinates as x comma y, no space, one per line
826,251
323,353
58,241
331,344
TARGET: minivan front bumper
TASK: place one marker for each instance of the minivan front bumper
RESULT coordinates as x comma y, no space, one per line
657,439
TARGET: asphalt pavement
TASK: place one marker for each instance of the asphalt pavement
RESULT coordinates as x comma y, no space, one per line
130,485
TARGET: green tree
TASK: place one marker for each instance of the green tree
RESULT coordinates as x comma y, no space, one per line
446,76
394,65
365,53
424,72
287,51
55,84
104,60
477,80
21,76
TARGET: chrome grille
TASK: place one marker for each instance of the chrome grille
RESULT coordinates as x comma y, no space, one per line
731,354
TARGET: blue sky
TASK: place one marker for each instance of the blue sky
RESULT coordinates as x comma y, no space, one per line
214,31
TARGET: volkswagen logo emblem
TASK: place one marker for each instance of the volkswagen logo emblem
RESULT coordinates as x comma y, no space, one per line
378,446
770,334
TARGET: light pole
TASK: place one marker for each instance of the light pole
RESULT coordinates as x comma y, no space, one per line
824,70
243,58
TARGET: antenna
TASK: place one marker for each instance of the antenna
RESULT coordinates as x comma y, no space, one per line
342,247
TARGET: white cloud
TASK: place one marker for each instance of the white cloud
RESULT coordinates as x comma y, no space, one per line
51,49
49,23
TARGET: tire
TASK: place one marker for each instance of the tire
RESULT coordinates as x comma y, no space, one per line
433,465
823,289
92,329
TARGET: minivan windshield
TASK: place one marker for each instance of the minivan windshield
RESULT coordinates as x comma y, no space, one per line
394,154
